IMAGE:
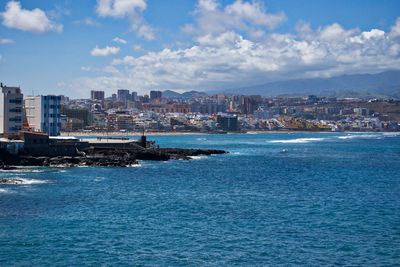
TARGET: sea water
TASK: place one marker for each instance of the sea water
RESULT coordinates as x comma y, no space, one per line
275,199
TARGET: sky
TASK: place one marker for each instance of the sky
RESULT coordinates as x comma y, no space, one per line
70,47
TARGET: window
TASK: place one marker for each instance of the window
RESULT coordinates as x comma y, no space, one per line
15,110
15,101
16,119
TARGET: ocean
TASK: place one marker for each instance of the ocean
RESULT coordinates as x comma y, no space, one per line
275,199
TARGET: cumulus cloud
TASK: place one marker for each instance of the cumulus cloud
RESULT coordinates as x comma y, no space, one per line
119,40
88,21
230,60
250,17
83,68
106,51
128,60
130,9
6,41
395,30
34,20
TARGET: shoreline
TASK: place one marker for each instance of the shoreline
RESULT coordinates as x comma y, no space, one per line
64,134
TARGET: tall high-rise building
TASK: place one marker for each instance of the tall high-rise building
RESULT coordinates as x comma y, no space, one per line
43,113
123,95
10,109
155,94
97,95
134,96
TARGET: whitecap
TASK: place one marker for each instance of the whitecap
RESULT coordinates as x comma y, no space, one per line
392,134
197,157
377,136
4,191
297,141
32,181
135,165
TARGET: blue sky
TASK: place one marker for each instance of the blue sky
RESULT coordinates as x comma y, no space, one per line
71,47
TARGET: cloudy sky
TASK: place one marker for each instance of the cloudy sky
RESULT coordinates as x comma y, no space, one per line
71,47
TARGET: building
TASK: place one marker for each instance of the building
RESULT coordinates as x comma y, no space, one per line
155,94
10,109
43,113
227,123
97,95
123,95
134,96
80,117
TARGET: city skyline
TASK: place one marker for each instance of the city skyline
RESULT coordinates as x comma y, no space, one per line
66,47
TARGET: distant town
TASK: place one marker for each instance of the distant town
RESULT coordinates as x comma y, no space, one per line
167,111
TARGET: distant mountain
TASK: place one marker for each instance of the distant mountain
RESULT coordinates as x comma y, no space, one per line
190,94
384,84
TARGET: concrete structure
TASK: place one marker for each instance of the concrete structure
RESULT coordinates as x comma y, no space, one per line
134,96
227,123
155,94
123,95
10,109
43,113
97,95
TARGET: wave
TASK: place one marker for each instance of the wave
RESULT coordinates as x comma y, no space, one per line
297,140
4,191
24,181
394,134
32,181
21,170
369,136
197,157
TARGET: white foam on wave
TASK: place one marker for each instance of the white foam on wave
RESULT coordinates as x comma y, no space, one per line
21,170
369,136
297,140
197,157
4,191
32,181
394,134
201,139
135,165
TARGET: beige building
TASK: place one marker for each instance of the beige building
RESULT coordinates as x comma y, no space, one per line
10,109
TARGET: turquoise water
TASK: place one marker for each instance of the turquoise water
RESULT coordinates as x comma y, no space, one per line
276,199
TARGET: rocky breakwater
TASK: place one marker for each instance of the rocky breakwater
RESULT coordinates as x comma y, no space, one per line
106,157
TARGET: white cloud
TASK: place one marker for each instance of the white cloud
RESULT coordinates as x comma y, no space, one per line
27,20
147,32
128,60
119,40
395,30
1,57
119,8
6,41
229,60
130,9
212,19
86,68
106,51
110,69
88,21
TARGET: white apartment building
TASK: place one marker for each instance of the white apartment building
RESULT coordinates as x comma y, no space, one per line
43,113
10,109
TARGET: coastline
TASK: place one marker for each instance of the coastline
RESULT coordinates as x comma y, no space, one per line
196,133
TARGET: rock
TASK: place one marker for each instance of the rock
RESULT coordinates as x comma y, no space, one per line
10,181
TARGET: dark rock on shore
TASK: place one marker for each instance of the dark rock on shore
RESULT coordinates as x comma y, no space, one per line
10,181
106,157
